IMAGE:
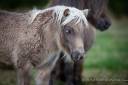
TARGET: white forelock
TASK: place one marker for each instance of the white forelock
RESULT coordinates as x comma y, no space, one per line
74,14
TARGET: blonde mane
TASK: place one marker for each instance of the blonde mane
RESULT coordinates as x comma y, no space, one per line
74,14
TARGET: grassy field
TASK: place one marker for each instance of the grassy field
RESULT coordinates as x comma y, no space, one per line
107,61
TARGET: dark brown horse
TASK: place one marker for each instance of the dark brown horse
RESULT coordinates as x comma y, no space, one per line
71,73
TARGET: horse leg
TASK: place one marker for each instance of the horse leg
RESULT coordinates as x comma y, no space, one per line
63,72
57,73
68,73
77,72
73,73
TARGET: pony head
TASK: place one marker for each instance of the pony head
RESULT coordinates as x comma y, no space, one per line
71,28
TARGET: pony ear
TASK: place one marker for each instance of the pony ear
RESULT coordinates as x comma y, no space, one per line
66,12
86,11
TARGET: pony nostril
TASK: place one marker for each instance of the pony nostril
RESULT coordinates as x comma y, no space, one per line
81,57
76,56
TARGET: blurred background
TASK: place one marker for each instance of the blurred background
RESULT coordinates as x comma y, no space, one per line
107,61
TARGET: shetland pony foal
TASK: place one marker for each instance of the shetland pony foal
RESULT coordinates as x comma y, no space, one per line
36,38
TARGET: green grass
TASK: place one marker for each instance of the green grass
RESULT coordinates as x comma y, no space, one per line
108,58
110,50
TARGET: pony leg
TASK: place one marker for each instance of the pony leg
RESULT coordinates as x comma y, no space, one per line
43,77
23,74
44,73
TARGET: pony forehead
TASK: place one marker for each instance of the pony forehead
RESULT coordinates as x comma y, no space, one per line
74,14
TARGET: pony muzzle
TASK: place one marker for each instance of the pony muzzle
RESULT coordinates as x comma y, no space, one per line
77,55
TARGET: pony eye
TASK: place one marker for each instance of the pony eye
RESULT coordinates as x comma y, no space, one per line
68,31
